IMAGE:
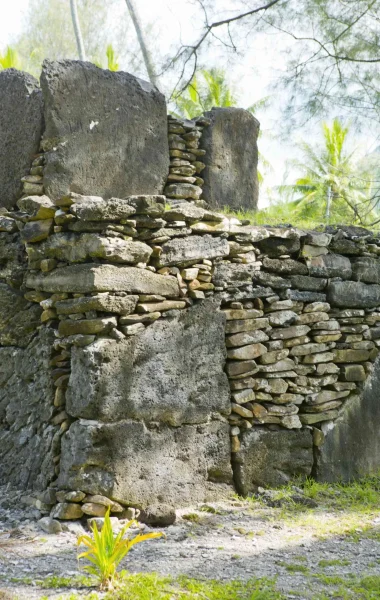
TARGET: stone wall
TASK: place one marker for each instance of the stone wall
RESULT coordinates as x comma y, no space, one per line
157,351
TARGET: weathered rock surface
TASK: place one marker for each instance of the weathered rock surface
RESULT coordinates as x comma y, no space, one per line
271,458
351,447
159,515
114,144
27,441
21,120
74,247
366,269
353,294
90,277
139,464
330,265
192,248
122,305
18,317
172,372
230,176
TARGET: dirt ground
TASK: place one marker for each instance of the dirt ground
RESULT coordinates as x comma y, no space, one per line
303,548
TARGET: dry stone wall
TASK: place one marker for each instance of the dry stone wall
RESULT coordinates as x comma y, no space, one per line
154,350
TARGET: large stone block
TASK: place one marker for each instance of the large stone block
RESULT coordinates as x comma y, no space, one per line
230,176
74,247
351,447
172,372
92,277
113,144
271,458
329,265
28,442
366,269
353,294
140,464
192,248
21,121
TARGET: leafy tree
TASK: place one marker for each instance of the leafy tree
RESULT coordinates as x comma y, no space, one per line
332,49
330,175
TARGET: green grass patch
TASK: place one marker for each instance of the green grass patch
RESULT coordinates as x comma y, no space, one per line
334,563
153,587
294,567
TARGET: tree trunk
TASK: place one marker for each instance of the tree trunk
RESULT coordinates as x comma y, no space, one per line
77,29
140,36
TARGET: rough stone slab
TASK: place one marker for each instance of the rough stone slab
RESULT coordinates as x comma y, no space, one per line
192,248
232,274
311,284
285,266
38,207
162,374
351,447
276,246
122,305
136,464
306,296
21,121
90,277
27,439
92,208
271,458
190,213
353,294
74,247
230,176
330,265
366,269
114,144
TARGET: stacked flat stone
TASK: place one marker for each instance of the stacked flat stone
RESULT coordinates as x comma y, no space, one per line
293,359
32,183
184,182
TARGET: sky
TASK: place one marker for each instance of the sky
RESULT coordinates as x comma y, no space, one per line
252,74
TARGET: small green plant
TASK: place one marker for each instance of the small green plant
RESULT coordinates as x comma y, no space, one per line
192,517
106,551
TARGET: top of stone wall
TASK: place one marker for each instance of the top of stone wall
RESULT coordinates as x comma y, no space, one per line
106,132
21,121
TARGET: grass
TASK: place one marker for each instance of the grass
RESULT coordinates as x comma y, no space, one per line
294,567
153,587
334,563
282,213
342,509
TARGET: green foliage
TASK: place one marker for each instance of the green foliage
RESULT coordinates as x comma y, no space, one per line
112,63
9,59
48,33
106,551
209,88
335,62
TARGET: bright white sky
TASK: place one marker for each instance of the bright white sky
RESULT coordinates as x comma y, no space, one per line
251,73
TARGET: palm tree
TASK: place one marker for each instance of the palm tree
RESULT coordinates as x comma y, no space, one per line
9,59
212,89
77,29
142,42
208,89
330,176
